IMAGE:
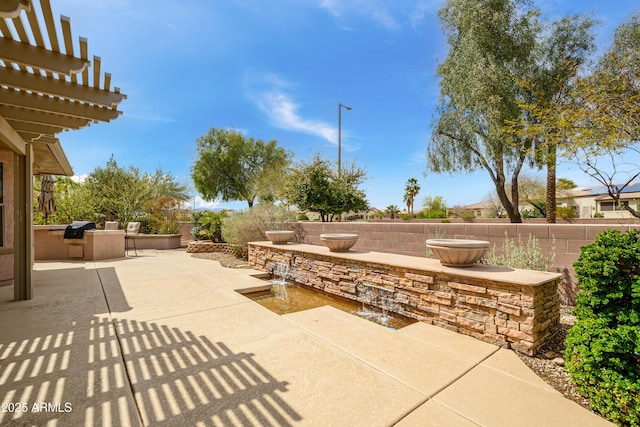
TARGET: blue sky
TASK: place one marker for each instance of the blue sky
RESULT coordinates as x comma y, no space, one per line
277,70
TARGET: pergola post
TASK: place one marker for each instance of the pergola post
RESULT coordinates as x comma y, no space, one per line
23,231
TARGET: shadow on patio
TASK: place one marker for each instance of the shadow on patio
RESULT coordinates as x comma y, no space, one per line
64,361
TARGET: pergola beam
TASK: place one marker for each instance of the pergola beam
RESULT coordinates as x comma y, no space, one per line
39,117
58,88
56,106
34,127
40,58
10,138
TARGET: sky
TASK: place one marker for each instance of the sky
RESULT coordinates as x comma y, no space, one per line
278,69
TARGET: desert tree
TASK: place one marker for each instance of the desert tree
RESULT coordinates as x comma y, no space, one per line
317,187
118,193
562,51
232,167
598,124
490,42
501,57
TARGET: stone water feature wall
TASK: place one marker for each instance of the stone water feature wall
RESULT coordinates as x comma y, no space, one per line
515,309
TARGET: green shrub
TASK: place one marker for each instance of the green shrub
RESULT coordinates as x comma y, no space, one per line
603,348
467,215
303,217
432,214
531,213
406,217
598,215
566,212
211,225
250,225
196,231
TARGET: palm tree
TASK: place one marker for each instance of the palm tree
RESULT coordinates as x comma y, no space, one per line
392,211
411,190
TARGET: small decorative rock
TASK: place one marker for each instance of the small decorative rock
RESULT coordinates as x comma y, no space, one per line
559,361
551,355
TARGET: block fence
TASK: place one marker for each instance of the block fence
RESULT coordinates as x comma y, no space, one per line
515,309
408,238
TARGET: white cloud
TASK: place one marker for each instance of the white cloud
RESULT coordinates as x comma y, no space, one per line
372,9
391,15
270,92
199,203
283,112
418,158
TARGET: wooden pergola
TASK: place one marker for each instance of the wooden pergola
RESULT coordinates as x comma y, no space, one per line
47,86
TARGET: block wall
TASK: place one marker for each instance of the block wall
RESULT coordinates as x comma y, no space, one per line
408,238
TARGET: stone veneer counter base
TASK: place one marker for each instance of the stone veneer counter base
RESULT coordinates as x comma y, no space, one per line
511,308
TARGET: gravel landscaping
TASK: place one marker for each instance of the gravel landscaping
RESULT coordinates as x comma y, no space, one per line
549,363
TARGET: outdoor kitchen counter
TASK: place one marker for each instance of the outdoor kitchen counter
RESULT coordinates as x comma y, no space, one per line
50,244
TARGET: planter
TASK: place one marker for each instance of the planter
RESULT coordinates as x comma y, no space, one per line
338,242
458,252
158,241
279,237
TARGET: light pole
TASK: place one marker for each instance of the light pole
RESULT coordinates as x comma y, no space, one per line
340,134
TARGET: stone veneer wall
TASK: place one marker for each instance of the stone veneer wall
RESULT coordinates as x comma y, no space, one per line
207,246
519,315
408,238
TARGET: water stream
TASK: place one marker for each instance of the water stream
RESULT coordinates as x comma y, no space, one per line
372,297
279,281
287,297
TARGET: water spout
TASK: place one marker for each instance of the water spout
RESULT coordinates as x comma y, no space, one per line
376,297
279,281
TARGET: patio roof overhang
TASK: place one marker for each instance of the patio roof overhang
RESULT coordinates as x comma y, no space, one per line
45,89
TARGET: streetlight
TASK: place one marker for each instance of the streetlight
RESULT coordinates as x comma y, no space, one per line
340,134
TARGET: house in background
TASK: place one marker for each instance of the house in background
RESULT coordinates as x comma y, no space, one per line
45,89
590,202
595,201
486,209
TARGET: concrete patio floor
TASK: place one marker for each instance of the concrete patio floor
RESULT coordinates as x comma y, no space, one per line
163,339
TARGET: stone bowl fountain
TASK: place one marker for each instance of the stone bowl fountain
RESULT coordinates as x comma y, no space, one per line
458,252
338,242
279,237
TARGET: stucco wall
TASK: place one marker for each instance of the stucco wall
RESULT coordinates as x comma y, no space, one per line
6,259
49,244
408,238
157,241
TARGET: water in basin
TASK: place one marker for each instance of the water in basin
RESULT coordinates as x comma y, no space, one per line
302,298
